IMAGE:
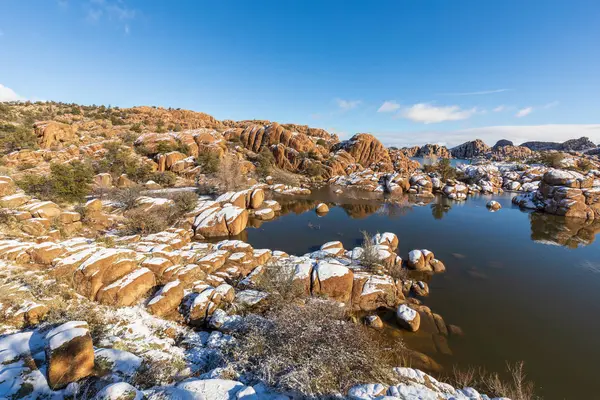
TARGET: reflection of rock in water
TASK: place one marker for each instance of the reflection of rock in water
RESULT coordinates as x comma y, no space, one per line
569,232
360,210
438,210
297,206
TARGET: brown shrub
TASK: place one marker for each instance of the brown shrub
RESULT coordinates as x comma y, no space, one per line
517,387
143,222
370,256
278,280
312,350
285,177
230,175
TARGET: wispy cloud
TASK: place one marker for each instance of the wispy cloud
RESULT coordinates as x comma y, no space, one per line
476,93
550,105
346,105
389,106
500,108
523,112
430,114
113,11
7,94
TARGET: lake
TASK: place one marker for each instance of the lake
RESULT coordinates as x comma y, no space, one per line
522,286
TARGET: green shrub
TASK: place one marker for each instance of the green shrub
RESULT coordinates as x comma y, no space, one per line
552,159
16,137
119,160
443,167
137,127
167,178
314,169
209,162
66,183
266,160
322,142
184,201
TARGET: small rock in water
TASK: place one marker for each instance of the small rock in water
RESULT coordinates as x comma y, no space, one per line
322,208
374,321
493,205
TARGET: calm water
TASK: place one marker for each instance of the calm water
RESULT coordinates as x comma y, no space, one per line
522,286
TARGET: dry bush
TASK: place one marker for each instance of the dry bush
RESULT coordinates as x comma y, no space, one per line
278,280
83,310
515,388
312,350
127,197
370,256
184,201
144,222
285,177
158,372
230,174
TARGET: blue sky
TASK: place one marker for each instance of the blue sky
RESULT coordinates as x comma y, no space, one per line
409,71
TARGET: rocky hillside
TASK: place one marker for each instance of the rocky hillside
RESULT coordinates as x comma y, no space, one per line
472,149
581,144
32,134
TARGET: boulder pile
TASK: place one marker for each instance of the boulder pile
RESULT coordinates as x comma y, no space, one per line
565,193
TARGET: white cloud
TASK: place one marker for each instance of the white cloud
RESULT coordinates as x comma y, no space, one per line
476,93
499,108
346,105
389,106
7,94
491,134
430,114
523,112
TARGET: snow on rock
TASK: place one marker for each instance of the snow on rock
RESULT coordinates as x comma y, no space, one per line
119,391
121,362
408,318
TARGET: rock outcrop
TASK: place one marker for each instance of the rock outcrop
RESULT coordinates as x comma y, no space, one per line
472,149
565,193
436,150
54,134
367,151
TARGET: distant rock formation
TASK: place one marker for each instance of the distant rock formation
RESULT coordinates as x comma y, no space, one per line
510,152
581,144
502,143
433,150
427,151
410,151
472,149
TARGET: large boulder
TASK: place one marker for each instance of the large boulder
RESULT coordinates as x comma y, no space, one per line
129,289
408,318
367,151
218,222
54,134
69,354
167,299
332,280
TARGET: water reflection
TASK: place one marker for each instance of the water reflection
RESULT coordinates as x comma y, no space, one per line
560,231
